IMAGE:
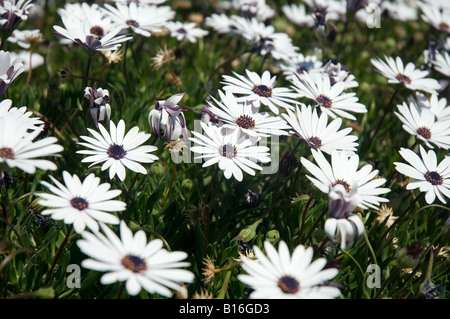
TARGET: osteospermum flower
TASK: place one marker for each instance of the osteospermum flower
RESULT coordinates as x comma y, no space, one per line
300,64
317,133
344,170
142,19
13,12
133,260
18,148
441,63
81,203
330,98
297,15
118,150
188,31
80,31
280,275
342,225
409,76
99,101
259,90
10,68
246,117
423,125
167,118
233,152
438,107
20,114
429,176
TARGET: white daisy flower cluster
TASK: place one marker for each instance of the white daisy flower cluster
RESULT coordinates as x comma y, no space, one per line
250,25
425,114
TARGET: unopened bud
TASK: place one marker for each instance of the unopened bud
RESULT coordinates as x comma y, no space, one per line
273,236
249,233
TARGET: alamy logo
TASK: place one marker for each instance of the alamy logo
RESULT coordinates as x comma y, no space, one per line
74,279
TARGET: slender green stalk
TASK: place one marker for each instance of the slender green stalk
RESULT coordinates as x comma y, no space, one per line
58,254
223,290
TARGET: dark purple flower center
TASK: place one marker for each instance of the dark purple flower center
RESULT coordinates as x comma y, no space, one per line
96,30
245,121
262,90
434,178
6,152
343,183
424,132
228,151
116,151
134,263
79,203
132,23
289,285
403,78
315,141
325,101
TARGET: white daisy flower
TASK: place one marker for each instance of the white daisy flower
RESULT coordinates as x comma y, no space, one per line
20,114
92,16
10,68
81,203
254,8
429,176
221,23
140,18
330,98
297,15
24,38
342,225
344,171
13,12
36,59
338,74
82,33
280,275
438,107
133,260
300,64
317,133
187,31
402,10
140,1
233,152
17,148
118,150
409,76
435,16
441,63
422,124
259,90
246,117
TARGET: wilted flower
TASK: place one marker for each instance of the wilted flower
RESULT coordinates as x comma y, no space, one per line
10,68
168,117
99,101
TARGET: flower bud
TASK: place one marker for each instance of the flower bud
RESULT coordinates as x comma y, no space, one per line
272,236
157,170
186,185
249,233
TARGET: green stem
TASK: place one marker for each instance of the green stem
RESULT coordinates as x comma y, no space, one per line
171,184
385,112
317,222
58,254
223,290
366,239
360,269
